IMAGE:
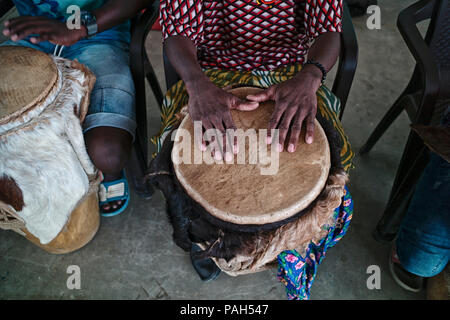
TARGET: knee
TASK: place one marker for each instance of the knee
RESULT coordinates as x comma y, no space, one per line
108,157
109,153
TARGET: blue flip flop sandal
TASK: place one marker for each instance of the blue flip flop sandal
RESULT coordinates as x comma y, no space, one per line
113,191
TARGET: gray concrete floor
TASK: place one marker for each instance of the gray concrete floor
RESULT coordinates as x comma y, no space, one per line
134,257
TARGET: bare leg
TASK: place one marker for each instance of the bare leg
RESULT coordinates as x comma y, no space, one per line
109,149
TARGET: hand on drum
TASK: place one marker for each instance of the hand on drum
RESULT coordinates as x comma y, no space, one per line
211,105
42,29
295,104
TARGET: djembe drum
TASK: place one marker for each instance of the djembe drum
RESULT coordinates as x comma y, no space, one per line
48,185
241,218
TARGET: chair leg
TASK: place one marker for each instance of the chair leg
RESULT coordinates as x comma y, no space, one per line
136,169
414,147
385,123
153,81
400,196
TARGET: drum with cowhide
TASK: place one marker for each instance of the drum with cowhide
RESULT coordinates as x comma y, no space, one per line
243,214
48,185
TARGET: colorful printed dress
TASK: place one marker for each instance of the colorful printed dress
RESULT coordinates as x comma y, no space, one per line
260,43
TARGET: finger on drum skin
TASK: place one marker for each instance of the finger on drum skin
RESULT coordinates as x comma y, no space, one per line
284,126
273,123
209,127
201,144
213,144
230,146
231,130
233,140
220,144
296,129
198,138
310,126
217,146
265,95
243,105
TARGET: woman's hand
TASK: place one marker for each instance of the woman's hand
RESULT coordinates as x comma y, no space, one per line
211,105
295,104
42,29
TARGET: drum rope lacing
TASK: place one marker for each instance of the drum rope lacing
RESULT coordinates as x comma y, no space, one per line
10,221
56,50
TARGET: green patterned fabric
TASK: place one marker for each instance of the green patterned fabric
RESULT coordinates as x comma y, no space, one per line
327,104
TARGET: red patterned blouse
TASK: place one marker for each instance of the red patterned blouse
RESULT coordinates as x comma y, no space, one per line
250,34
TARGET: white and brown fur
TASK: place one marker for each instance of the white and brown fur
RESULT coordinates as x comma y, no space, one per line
44,166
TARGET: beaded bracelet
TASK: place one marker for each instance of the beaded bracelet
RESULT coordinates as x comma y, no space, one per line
321,67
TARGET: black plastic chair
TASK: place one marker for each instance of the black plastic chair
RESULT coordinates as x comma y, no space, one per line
5,6
359,7
348,59
141,70
424,99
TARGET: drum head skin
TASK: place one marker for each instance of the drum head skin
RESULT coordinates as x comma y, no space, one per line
239,193
27,77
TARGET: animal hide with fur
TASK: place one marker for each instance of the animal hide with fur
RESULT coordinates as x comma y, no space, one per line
45,154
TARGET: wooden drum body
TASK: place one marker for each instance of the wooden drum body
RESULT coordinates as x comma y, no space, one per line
48,185
241,218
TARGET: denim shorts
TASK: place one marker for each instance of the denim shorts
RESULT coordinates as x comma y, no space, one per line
113,96
423,243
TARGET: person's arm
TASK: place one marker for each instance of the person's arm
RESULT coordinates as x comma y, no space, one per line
115,12
207,103
182,54
112,13
325,50
295,99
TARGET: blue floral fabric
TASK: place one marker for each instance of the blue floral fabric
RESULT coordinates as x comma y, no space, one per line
297,273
